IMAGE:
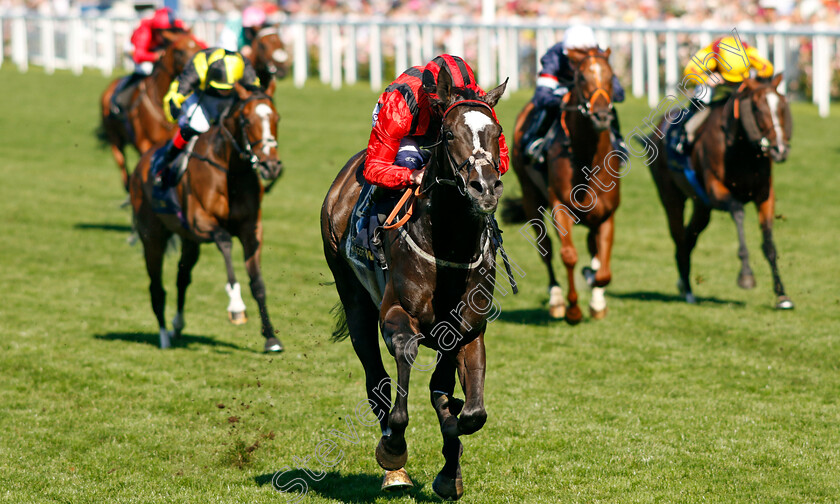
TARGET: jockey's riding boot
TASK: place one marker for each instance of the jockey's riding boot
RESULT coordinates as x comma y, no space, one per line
533,139
122,94
161,165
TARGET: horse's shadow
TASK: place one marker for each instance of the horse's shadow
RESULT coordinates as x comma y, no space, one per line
349,488
671,298
153,339
530,316
89,226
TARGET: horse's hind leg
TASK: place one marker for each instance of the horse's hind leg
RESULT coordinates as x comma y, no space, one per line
399,330
236,307
765,217
252,245
746,279
530,203
569,255
673,201
154,245
189,256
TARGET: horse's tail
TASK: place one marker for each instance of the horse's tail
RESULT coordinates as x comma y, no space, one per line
513,211
102,135
341,331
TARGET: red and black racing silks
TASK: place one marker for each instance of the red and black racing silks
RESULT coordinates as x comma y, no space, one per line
404,110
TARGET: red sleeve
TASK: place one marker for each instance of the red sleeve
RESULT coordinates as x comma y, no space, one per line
504,157
142,40
392,125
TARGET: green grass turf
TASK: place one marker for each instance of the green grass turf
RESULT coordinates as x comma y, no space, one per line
727,401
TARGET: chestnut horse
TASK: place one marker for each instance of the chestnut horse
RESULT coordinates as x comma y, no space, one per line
269,56
733,157
220,195
147,121
575,188
437,262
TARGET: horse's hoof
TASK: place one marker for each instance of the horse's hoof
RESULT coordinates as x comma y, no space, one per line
273,344
396,480
746,281
597,314
690,299
390,461
557,312
164,338
589,276
449,488
574,315
784,303
237,318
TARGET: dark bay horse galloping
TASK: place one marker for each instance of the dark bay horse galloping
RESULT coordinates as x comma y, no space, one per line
147,124
733,158
581,185
269,56
440,283
220,195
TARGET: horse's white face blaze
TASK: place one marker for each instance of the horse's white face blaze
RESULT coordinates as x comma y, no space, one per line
773,103
476,122
264,112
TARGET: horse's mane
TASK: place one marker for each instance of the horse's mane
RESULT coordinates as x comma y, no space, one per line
464,93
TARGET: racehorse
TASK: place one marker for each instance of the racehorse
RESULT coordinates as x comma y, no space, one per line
145,115
269,56
440,286
581,185
733,158
220,195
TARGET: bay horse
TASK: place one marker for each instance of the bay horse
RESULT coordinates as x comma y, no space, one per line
580,186
145,114
733,157
269,56
220,195
438,262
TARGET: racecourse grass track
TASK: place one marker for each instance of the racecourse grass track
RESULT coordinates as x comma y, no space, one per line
727,401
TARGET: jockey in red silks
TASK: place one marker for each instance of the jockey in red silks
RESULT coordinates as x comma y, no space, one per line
404,119
148,42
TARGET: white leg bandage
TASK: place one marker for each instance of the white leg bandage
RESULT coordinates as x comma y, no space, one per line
555,296
164,338
236,304
598,302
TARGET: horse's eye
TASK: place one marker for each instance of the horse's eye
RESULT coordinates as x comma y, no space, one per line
450,136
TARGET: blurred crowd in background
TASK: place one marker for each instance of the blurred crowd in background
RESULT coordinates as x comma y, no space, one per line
690,12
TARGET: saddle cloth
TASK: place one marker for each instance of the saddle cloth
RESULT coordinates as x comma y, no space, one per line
363,247
680,162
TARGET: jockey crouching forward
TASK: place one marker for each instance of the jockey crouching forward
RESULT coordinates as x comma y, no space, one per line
149,41
555,80
196,100
404,119
722,65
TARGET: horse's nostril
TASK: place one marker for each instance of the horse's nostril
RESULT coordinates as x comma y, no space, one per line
476,185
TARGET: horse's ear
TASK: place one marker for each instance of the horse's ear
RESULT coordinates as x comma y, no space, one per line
271,86
607,53
241,91
776,81
492,98
444,88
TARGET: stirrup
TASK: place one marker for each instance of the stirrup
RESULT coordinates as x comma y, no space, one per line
534,150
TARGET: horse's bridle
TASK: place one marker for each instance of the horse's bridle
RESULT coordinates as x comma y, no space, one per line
457,179
585,103
246,150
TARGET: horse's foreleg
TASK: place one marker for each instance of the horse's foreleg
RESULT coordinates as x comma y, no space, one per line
746,280
397,327
602,273
252,247
236,307
153,248
118,151
189,256
448,483
569,255
765,218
